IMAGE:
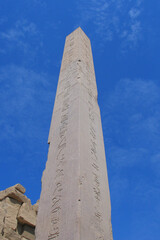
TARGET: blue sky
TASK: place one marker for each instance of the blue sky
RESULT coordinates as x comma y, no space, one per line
125,39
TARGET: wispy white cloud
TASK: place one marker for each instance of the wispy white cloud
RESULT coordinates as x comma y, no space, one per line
113,19
134,32
20,29
23,93
42,3
133,35
131,124
137,103
134,13
26,103
21,36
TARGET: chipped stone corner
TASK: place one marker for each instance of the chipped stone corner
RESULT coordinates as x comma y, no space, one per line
17,214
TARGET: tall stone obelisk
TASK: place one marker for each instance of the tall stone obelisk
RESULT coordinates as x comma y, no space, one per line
75,199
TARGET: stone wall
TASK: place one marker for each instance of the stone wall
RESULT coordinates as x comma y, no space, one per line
17,214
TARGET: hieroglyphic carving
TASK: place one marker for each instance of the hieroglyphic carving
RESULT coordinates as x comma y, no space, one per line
54,230
95,168
75,203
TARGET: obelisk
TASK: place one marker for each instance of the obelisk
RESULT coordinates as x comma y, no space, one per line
75,199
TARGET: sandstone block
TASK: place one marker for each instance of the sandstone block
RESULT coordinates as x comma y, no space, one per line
27,215
12,207
20,188
28,232
3,238
12,192
15,212
2,213
12,202
35,206
10,219
1,229
10,234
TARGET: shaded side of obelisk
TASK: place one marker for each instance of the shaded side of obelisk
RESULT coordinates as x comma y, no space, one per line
75,199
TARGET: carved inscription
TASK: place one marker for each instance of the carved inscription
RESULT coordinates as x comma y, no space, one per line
95,169
74,194
54,230
85,69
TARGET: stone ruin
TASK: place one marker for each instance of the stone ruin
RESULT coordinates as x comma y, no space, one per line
17,215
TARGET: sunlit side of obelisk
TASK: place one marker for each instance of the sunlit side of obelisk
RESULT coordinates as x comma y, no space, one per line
75,199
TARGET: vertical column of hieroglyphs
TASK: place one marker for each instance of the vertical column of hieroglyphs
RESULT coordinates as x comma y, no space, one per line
52,202
75,201
94,190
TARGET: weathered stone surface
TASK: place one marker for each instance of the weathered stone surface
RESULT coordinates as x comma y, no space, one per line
14,213
11,217
1,229
2,213
3,238
12,202
10,234
28,232
8,213
27,215
20,188
12,207
12,192
35,206
75,199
